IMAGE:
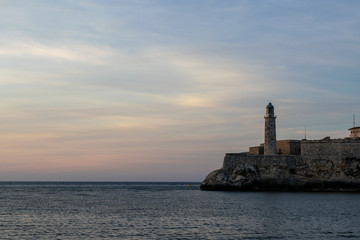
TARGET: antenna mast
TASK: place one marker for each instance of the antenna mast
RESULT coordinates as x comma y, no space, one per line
354,119
305,134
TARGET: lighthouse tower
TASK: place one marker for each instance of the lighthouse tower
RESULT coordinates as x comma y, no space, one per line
270,131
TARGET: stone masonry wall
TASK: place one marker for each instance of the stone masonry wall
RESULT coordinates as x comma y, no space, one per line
331,149
260,166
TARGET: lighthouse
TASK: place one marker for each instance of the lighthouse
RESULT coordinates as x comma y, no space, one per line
270,131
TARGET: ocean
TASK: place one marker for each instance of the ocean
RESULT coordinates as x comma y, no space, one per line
96,210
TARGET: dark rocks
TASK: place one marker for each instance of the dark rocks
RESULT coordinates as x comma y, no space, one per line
247,172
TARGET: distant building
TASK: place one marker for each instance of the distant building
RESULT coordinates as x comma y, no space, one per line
355,132
285,147
288,147
258,150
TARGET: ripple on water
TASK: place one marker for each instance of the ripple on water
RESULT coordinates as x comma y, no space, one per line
171,211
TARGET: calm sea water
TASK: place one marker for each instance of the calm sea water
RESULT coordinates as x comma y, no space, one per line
171,211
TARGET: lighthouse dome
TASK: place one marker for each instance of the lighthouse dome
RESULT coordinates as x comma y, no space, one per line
270,110
270,106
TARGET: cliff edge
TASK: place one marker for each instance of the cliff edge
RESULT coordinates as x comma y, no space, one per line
249,172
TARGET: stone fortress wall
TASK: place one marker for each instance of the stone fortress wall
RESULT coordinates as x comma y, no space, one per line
326,158
259,166
344,147
331,148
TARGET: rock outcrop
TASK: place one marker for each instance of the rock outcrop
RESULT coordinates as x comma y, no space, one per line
248,172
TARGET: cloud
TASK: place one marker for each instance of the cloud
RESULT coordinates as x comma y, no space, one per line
74,52
195,101
157,73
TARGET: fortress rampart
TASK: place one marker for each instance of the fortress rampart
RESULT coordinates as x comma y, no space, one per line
331,148
260,166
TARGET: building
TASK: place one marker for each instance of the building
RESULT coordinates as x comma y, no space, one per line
285,147
288,147
354,132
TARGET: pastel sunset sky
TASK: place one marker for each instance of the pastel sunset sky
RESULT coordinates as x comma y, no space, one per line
139,90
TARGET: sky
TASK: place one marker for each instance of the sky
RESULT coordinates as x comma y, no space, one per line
108,90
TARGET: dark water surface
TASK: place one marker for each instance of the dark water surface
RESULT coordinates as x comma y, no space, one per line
171,211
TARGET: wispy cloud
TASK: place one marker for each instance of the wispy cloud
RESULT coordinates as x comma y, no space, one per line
77,52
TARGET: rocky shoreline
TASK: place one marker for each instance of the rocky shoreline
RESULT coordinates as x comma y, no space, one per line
248,172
